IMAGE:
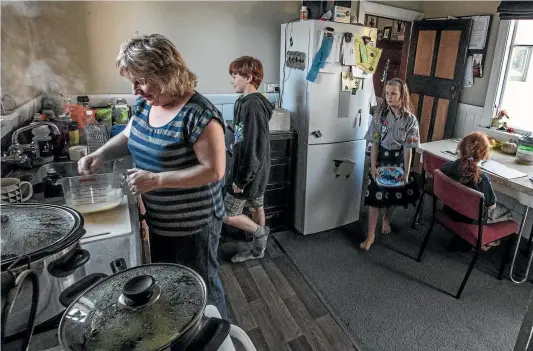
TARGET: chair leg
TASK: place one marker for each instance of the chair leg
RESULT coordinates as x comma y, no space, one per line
414,222
468,272
506,254
426,240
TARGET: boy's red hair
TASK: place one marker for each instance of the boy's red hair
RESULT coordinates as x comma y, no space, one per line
247,66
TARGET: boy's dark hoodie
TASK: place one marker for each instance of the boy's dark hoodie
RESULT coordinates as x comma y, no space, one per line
251,163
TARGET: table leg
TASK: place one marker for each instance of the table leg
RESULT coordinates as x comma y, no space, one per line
515,255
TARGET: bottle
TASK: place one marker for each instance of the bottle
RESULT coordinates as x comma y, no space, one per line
73,133
304,14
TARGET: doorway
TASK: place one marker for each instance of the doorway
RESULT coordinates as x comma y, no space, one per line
393,38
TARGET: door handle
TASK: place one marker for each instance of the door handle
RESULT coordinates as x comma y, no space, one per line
316,133
453,90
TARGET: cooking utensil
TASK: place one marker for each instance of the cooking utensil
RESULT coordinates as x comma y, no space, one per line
150,307
49,236
94,193
97,135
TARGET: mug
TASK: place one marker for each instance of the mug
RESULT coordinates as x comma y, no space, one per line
77,152
11,190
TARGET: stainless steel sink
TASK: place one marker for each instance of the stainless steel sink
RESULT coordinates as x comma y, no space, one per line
70,169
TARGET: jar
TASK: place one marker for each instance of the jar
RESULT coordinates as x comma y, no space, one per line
524,153
304,13
51,188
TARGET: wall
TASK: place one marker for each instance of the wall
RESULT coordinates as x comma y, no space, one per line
208,34
407,5
476,94
43,49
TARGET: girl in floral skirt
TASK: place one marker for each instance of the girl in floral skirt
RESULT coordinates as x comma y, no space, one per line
394,134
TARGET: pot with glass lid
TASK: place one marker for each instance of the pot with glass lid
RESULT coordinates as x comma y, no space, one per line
150,307
39,242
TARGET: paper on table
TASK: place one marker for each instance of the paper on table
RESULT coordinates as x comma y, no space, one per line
468,80
501,170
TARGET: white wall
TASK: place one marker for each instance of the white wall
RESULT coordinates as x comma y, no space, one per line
208,34
71,46
43,49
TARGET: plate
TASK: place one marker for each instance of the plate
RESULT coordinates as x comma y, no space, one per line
389,177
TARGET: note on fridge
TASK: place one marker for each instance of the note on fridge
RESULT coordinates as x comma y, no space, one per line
501,170
348,53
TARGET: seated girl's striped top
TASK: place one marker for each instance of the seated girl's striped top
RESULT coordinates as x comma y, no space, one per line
175,212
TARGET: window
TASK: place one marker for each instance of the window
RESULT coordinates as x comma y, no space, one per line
517,87
519,63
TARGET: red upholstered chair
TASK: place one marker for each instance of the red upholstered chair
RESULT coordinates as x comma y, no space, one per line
430,163
471,204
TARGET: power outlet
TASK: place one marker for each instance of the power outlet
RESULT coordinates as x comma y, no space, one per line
271,88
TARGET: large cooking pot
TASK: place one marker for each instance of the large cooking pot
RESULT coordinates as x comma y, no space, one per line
47,237
151,307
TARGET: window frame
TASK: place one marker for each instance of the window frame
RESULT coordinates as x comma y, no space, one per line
499,72
495,90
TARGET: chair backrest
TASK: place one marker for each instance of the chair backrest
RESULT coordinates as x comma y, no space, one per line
457,196
432,162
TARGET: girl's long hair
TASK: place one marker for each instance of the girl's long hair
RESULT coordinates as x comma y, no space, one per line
405,100
472,149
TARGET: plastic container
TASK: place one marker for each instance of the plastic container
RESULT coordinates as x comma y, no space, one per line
41,137
41,132
304,13
524,153
88,194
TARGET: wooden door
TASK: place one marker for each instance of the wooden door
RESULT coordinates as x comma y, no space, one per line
437,60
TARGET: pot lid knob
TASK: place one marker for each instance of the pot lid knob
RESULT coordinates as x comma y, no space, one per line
139,289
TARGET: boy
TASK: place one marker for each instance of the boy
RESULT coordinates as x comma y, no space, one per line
251,164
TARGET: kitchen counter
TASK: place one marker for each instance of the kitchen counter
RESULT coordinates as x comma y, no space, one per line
99,245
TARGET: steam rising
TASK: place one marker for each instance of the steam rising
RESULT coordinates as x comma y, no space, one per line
42,45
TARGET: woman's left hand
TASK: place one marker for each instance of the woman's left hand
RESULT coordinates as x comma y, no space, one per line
140,181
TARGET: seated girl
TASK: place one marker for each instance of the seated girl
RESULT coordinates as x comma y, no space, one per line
473,149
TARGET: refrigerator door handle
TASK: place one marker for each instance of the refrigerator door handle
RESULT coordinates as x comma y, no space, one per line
316,134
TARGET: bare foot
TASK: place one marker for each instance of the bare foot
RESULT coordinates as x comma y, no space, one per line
365,245
385,226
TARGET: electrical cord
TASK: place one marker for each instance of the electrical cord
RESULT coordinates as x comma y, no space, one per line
289,24
17,283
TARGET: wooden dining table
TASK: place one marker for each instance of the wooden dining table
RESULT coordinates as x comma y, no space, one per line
521,188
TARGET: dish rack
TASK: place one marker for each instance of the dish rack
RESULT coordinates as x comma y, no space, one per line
97,135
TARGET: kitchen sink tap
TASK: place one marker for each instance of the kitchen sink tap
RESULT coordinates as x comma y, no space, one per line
17,153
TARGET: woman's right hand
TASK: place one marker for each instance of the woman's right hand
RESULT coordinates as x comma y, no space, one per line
89,164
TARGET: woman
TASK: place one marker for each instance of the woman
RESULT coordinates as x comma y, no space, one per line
394,134
176,138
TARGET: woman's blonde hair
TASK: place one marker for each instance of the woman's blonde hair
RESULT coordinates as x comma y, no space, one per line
154,59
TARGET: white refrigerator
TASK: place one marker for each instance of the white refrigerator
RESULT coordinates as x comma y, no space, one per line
331,126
